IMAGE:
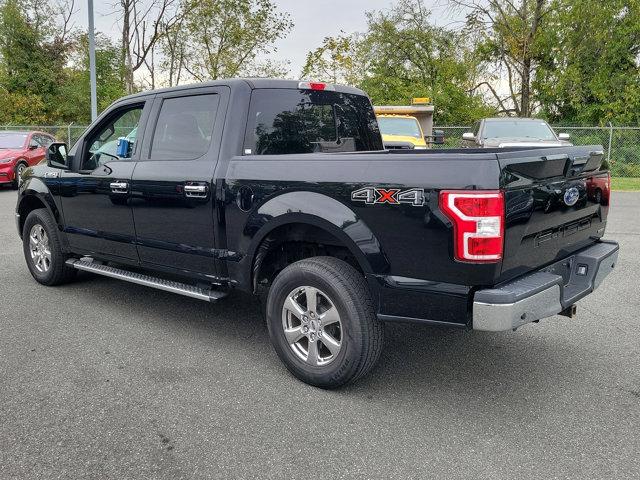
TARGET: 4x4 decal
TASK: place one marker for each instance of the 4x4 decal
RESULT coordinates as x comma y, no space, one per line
393,196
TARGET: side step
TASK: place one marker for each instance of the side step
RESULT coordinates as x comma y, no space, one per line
205,294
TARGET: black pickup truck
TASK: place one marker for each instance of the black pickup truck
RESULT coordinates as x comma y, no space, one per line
283,189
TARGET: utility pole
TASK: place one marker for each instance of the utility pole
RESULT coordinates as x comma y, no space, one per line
92,64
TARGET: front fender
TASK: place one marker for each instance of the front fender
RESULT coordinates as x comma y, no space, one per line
40,190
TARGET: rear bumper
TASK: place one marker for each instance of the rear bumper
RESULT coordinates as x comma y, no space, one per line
546,292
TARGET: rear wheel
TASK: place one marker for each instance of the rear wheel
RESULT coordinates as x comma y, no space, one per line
43,249
322,323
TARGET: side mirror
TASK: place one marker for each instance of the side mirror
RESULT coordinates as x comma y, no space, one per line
33,146
564,136
469,136
57,156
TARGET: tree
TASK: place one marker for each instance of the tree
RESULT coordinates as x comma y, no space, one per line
31,53
404,55
509,34
590,71
339,60
73,104
144,24
225,38
44,71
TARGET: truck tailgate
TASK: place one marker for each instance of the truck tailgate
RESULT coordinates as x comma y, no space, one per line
556,202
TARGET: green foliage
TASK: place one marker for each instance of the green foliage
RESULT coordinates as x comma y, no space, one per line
29,60
74,94
339,60
590,73
44,78
224,38
403,55
21,109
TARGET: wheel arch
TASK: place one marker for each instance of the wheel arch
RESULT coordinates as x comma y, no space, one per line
35,194
317,219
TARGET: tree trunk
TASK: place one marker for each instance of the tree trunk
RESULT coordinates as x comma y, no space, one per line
127,6
525,91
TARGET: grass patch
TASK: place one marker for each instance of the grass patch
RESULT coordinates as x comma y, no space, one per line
625,183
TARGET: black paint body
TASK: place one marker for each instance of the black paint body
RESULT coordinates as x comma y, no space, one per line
405,251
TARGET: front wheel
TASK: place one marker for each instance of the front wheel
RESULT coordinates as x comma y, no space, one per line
322,322
17,174
43,249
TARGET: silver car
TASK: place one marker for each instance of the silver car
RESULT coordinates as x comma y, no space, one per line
513,132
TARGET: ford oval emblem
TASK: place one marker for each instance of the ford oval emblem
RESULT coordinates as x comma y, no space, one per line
571,196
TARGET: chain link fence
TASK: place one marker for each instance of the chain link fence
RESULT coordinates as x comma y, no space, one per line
621,144
63,133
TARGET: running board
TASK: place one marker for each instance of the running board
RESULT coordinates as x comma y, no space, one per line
205,294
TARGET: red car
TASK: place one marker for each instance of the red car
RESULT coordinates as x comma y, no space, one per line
598,189
20,150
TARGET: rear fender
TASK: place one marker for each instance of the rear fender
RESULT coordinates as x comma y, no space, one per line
320,211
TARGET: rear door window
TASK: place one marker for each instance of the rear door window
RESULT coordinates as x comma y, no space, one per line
284,121
184,127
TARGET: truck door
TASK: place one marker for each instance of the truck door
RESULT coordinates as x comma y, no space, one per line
173,194
95,193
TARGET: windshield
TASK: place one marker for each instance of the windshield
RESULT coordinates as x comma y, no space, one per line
12,140
518,129
407,127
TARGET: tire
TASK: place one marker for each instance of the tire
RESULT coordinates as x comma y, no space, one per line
17,173
43,249
343,327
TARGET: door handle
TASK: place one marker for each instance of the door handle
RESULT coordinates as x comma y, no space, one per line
198,191
119,187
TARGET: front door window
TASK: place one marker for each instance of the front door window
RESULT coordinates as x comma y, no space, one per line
114,141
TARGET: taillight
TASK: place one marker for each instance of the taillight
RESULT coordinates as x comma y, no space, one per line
478,223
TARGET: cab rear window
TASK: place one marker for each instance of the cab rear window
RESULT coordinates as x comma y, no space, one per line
283,121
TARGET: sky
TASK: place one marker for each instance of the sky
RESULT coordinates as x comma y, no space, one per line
314,20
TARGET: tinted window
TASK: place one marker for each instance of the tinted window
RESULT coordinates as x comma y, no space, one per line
184,127
283,121
538,130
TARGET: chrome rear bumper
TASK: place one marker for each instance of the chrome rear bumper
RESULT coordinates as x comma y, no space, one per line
546,292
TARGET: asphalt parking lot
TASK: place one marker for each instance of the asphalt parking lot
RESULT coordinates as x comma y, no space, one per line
103,379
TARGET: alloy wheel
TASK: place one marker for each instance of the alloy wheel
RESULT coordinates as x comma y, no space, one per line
312,326
39,248
19,172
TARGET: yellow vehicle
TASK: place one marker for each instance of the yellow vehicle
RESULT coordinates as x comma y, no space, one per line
401,131
406,127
